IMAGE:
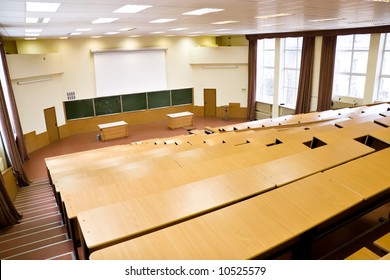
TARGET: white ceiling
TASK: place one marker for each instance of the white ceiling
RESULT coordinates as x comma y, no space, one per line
75,14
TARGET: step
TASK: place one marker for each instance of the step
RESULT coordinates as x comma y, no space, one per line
14,242
31,224
45,252
32,230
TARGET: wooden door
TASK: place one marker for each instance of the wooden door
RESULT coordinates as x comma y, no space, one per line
51,124
210,102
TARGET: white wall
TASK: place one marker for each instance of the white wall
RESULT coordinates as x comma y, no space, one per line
79,76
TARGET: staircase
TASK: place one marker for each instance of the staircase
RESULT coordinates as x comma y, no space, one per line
41,233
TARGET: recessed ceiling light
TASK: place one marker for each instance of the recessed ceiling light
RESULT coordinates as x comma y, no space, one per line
384,1
33,30
178,29
270,25
157,32
42,7
132,9
274,16
224,22
75,33
135,36
32,20
32,34
162,20
64,38
104,20
221,30
46,20
96,37
112,33
30,39
203,11
126,29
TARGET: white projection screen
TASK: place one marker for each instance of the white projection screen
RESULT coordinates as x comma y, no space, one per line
129,71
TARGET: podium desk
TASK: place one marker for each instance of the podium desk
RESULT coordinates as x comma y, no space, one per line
181,119
113,130
245,230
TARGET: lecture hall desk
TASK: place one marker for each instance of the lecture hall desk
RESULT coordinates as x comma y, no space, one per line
89,193
333,154
141,215
303,164
245,230
369,176
385,121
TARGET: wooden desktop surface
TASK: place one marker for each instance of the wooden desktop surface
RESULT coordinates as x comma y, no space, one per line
383,135
290,168
95,191
137,216
368,175
246,229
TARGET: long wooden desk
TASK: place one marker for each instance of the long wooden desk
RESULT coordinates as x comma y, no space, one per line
113,130
245,230
294,167
350,132
155,211
368,176
181,119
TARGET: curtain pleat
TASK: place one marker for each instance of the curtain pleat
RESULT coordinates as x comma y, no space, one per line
252,65
305,76
328,54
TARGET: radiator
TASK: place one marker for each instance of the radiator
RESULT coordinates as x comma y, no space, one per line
342,104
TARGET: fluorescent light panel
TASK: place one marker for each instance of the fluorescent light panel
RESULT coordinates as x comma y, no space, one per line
203,11
132,9
162,20
325,19
104,20
273,16
224,22
42,7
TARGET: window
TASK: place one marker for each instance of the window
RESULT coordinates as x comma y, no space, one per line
265,70
291,68
351,65
383,93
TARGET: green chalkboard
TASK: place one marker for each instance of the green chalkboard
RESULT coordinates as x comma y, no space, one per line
107,105
159,99
181,96
134,102
77,109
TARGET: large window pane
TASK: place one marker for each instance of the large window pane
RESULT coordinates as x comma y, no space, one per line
351,65
357,86
359,62
343,61
384,89
265,70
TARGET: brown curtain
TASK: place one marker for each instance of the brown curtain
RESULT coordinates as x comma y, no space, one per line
305,76
328,54
10,142
8,213
252,65
13,111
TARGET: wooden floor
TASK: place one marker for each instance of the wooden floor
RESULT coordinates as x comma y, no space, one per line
42,235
